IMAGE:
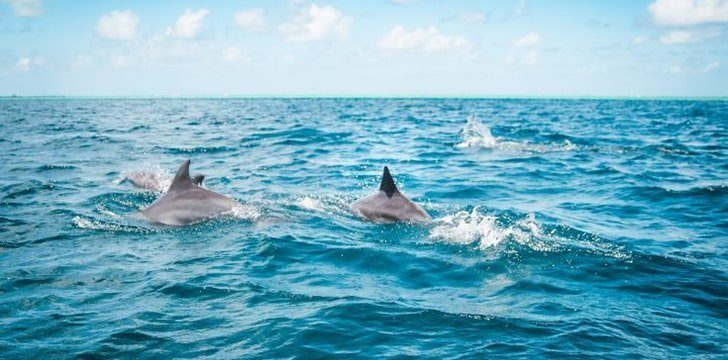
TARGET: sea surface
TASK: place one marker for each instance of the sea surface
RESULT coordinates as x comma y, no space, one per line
563,227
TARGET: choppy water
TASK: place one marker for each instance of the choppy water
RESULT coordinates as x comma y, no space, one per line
563,227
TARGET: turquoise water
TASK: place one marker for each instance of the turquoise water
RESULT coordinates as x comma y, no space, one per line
562,227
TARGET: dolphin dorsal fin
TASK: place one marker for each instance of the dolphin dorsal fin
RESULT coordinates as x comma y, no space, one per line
182,179
198,179
387,184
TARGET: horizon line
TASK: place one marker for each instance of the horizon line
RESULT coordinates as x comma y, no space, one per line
369,96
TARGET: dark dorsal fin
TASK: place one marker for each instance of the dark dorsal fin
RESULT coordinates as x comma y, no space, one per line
182,179
198,179
387,184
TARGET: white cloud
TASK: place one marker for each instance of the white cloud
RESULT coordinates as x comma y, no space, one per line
527,40
26,8
251,20
689,12
710,67
678,37
234,55
118,25
675,69
316,23
639,40
425,40
188,24
23,64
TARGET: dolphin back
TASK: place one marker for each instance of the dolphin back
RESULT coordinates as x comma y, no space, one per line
388,204
185,202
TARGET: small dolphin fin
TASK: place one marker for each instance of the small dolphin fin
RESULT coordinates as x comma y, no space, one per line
387,184
198,179
182,179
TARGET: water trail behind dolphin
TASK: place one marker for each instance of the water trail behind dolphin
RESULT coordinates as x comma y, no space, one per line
477,135
474,227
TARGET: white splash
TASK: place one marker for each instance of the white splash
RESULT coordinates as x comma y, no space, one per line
103,210
89,224
309,203
244,212
84,223
473,227
476,134
328,204
155,179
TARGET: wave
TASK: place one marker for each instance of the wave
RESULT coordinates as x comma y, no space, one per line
489,231
323,204
244,212
53,167
101,225
196,150
477,135
474,227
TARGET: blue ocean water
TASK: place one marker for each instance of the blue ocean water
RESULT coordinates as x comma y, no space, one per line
562,227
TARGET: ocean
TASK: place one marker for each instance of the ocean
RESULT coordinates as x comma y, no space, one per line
561,227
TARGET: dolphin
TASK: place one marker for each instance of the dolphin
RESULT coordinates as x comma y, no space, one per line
155,181
186,202
389,205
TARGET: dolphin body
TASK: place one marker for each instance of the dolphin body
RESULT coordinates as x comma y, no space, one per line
186,202
155,181
389,205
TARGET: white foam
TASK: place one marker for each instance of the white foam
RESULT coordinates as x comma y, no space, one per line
103,210
155,179
245,212
83,223
310,203
329,204
468,227
475,228
476,134
88,224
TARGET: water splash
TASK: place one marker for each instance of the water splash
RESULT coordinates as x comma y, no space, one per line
476,134
471,227
309,203
328,204
244,212
100,225
155,179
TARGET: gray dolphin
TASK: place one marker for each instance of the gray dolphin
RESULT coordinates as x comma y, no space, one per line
155,181
389,205
186,202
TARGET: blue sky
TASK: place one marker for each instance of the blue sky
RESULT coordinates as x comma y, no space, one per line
365,48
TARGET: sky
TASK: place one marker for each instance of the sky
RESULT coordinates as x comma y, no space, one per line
364,48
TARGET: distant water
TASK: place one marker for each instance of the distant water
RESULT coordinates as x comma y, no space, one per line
563,227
